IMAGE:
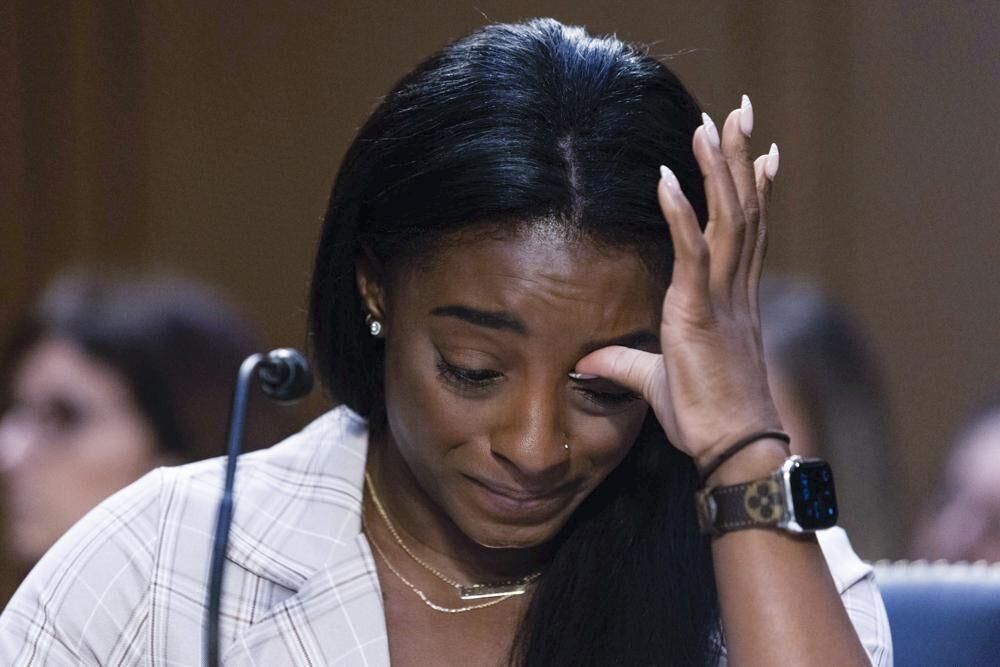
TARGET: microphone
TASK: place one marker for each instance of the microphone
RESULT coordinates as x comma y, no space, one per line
284,375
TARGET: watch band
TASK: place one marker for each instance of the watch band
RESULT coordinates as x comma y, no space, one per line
798,497
754,504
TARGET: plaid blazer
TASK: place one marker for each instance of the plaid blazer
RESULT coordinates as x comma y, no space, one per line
128,584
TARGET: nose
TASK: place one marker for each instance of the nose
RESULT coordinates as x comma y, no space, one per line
531,440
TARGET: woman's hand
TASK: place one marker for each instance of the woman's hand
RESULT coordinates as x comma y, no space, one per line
709,388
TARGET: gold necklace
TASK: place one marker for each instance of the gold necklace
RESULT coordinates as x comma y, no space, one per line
423,596
502,589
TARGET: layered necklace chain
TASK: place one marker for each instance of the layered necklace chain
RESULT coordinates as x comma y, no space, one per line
500,591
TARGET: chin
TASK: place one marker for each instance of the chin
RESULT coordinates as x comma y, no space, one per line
493,534
514,541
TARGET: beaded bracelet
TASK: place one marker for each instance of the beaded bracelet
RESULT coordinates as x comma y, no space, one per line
749,440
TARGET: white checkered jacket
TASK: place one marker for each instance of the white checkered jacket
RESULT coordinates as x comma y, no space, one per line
128,584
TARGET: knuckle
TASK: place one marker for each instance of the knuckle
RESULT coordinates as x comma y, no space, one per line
650,384
689,310
630,367
634,370
623,364
737,226
699,252
761,234
739,153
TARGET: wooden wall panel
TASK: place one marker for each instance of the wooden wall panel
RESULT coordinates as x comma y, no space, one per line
204,136
924,207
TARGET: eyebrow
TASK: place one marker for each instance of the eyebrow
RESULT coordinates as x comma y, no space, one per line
483,318
504,321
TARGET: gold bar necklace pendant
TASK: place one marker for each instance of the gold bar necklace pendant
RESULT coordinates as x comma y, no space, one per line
487,591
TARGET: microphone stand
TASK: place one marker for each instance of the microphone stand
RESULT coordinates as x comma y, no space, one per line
284,376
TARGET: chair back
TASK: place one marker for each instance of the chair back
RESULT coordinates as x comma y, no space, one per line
942,613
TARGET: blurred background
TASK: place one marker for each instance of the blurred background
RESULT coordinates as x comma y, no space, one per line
202,137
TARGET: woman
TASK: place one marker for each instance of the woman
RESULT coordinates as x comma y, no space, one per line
106,379
488,308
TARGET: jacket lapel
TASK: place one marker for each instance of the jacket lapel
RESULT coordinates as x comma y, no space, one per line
336,617
307,538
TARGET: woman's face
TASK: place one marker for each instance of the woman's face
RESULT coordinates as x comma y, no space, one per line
480,342
71,437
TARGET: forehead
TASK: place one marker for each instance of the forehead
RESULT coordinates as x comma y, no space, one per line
540,274
59,366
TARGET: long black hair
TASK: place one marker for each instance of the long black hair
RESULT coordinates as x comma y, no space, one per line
513,125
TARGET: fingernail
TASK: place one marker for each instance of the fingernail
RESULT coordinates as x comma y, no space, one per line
583,376
710,130
771,166
669,178
746,116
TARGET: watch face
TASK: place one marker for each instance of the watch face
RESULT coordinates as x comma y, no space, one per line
812,495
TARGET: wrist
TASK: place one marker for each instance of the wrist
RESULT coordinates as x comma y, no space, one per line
740,424
758,459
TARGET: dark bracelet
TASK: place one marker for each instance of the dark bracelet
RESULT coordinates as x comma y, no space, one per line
749,440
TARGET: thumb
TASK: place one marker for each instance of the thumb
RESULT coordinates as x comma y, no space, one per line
633,369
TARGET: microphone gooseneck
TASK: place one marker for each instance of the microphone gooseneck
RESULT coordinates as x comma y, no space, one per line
285,376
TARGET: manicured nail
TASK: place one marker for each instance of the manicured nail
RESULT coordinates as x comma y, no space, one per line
710,130
746,116
582,376
771,166
669,178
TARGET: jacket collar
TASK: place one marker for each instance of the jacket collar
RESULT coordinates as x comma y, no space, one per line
297,523
297,502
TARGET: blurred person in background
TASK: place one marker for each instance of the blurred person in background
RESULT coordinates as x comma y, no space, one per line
827,389
964,520
106,379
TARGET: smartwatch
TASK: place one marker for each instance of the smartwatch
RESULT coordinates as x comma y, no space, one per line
798,497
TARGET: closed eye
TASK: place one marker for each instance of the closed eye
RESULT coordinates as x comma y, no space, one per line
604,395
607,398
467,378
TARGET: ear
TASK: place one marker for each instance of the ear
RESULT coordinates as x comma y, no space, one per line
368,276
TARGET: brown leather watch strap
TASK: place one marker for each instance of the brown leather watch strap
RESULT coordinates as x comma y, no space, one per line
759,503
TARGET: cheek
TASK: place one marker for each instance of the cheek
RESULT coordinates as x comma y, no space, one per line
110,456
427,422
430,424
66,479
127,440
605,441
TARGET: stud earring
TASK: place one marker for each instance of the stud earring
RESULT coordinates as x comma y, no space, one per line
374,326
566,446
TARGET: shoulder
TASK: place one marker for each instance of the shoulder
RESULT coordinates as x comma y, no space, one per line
91,597
294,501
289,478
94,578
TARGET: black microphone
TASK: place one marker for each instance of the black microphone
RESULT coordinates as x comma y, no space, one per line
284,375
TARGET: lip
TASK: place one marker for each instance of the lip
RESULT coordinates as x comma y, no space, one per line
520,503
